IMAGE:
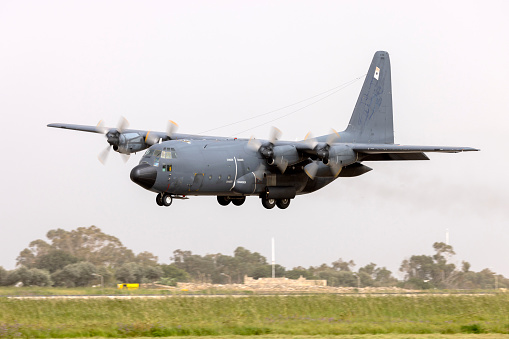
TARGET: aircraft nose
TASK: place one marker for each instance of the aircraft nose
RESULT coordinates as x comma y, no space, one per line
144,175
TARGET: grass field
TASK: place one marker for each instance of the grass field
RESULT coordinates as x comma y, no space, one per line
274,316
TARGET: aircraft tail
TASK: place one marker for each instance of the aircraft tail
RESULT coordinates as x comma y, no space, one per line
371,120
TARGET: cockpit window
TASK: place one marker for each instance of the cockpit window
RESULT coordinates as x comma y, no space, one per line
157,153
169,153
148,153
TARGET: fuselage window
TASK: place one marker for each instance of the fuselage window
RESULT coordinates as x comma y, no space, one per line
166,168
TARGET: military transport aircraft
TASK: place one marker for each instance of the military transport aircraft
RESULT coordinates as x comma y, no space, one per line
179,165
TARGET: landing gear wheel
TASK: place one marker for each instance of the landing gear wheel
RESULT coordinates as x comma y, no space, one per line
222,200
268,203
167,200
159,199
283,203
239,201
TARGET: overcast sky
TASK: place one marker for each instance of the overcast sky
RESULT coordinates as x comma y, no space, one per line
206,64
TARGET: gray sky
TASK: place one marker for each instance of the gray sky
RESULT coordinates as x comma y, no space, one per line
205,64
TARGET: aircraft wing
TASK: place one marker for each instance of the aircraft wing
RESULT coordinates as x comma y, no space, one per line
93,129
160,135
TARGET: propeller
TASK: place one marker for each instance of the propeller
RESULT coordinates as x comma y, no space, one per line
171,128
112,136
334,157
275,134
254,144
103,156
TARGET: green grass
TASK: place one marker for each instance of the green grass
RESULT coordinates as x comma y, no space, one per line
324,315
80,291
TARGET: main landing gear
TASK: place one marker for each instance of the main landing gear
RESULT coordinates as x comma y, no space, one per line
267,203
164,199
270,203
225,200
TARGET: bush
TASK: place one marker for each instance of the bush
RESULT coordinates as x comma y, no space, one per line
29,277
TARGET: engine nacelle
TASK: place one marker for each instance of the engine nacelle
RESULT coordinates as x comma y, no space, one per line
127,143
340,155
287,154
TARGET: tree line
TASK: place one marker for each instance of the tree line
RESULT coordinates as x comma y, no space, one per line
82,256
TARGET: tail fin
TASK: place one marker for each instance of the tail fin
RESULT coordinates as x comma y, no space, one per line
371,120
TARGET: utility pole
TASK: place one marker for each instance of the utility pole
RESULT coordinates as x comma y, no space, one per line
358,280
273,259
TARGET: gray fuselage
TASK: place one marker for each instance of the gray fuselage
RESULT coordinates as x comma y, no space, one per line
204,167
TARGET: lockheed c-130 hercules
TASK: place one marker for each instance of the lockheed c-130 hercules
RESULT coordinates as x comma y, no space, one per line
177,165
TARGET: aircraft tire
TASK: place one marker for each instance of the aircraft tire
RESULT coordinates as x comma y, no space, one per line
223,201
268,203
159,199
167,200
283,203
238,202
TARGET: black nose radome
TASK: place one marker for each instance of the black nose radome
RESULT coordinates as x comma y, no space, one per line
144,175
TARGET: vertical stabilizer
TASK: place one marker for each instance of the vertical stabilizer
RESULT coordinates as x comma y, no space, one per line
371,120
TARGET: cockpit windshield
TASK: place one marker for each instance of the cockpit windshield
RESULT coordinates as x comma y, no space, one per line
148,153
166,153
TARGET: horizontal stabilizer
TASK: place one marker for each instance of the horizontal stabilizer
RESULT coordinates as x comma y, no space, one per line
386,148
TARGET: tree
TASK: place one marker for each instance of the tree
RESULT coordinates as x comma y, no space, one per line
465,266
130,273
29,277
171,271
54,260
3,276
298,272
78,274
152,273
146,259
86,244
340,265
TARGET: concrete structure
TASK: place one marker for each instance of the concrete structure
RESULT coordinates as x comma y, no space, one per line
272,282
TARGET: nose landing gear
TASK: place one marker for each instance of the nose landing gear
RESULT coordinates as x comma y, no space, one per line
164,199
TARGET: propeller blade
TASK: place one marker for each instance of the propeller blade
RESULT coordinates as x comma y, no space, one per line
311,169
281,163
171,128
333,137
103,156
335,167
254,144
101,128
151,139
125,157
122,124
310,141
275,134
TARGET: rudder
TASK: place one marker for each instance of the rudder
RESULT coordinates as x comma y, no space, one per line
372,119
